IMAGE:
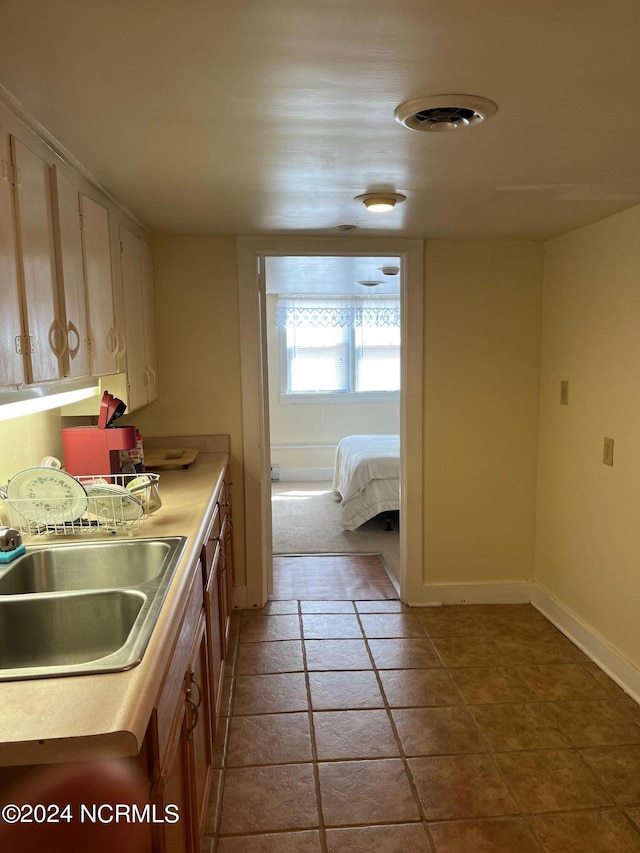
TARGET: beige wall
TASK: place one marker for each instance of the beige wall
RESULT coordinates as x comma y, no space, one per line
198,351
25,441
481,381
588,534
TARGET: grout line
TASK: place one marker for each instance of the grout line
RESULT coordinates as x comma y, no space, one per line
401,753
312,733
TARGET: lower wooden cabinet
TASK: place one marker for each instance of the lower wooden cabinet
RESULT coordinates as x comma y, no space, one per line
184,723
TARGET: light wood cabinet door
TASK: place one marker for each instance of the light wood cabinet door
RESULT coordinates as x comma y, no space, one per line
71,291
133,319
12,366
103,337
149,321
34,220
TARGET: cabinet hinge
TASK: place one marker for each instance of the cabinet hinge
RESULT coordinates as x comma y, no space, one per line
81,222
23,343
5,170
15,176
121,247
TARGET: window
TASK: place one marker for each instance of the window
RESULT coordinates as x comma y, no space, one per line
337,349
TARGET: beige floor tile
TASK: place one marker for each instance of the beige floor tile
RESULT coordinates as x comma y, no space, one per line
397,838
270,657
307,841
461,786
366,792
269,739
337,654
273,608
562,682
516,727
595,723
404,653
604,831
437,731
449,621
467,651
634,815
354,734
270,694
341,691
618,768
261,799
552,780
488,684
508,621
406,688
330,627
381,607
385,625
258,629
490,835
554,648
327,607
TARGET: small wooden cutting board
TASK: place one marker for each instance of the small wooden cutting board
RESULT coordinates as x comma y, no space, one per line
165,460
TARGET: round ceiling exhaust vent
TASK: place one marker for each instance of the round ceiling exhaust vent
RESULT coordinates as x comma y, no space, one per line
442,113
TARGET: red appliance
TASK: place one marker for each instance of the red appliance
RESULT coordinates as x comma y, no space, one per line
95,450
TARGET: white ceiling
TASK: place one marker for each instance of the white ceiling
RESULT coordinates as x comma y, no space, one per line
253,116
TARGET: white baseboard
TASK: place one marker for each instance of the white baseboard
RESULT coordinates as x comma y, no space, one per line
515,592
299,475
240,597
590,641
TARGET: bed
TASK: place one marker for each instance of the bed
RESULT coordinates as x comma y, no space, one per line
367,477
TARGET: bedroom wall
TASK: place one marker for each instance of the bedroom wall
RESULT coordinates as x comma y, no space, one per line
588,536
482,362
304,435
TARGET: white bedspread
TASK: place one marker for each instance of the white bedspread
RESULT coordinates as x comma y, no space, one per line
367,477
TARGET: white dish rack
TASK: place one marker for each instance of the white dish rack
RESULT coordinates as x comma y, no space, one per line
104,513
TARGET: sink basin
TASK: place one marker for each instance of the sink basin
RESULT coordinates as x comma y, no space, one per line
37,631
83,607
88,565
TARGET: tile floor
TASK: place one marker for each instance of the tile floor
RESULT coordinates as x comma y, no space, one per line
331,576
364,726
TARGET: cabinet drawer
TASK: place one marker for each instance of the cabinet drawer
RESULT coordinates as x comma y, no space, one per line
173,683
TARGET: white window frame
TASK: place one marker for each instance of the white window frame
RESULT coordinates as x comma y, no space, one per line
297,397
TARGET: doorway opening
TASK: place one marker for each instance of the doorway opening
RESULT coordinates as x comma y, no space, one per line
333,342
252,255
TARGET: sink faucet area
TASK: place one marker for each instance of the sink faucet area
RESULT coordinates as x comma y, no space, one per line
83,607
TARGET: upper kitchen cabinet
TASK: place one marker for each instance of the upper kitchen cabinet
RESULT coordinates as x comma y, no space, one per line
43,336
71,293
12,362
105,345
139,320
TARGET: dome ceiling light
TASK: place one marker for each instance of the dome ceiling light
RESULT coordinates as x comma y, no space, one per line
389,270
444,113
369,283
380,202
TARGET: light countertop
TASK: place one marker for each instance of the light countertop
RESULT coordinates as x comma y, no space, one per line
62,719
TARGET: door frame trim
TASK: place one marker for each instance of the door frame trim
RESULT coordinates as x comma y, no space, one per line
255,412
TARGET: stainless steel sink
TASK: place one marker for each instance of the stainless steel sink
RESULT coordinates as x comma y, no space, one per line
83,608
87,565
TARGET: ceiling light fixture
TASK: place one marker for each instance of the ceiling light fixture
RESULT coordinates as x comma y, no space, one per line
380,202
389,270
369,283
442,113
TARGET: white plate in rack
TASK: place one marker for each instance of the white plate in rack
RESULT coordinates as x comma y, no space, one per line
113,503
46,496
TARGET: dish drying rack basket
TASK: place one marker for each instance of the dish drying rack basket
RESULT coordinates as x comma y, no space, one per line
104,513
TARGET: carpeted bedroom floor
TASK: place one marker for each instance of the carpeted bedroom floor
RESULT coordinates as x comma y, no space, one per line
306,520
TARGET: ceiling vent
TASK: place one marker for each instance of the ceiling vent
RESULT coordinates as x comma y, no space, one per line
442,113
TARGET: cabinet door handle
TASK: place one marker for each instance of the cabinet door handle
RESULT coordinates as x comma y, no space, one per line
194,683
112,342
58,339
122,346
153,376
194,709
73,330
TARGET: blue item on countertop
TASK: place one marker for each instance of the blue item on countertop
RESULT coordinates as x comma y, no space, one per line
8,556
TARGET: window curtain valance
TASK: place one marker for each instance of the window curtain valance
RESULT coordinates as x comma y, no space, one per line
331,312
